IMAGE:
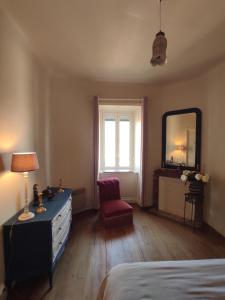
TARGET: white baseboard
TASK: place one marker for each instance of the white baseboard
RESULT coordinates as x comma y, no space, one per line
129,199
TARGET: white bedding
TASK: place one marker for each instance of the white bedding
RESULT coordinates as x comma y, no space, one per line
170,280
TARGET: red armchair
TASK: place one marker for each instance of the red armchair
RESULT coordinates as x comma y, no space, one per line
113,210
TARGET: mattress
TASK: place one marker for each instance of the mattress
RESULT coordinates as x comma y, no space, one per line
170,280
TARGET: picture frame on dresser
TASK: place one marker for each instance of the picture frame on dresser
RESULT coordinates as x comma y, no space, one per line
33,248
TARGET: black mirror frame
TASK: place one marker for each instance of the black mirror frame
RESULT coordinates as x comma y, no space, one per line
198,138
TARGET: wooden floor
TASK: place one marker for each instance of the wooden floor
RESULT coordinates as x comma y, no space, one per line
92,251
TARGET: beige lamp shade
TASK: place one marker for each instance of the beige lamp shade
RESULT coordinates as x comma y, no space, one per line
24,162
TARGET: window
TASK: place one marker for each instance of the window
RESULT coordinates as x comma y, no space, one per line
116,138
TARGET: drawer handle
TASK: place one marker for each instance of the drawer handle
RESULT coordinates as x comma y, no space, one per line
59,229
60,243
59,216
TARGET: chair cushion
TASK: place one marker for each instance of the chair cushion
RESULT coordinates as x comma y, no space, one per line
113,208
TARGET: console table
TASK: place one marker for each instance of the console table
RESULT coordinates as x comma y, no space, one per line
196,201
33,247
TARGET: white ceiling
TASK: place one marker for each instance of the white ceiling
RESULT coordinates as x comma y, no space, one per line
111,40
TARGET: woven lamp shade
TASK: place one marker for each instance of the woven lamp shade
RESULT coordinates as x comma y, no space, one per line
24,162
159,50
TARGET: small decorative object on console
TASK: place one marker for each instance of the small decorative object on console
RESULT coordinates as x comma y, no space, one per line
60,190
40,208
49,192
35,193
191,176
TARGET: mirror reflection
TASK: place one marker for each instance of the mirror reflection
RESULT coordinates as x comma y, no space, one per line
181,140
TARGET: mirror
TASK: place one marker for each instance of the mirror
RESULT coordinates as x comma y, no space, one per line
181,139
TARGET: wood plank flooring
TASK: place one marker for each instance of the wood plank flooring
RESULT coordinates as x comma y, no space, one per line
92,251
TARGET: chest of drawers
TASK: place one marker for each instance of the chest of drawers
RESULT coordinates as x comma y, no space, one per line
32,248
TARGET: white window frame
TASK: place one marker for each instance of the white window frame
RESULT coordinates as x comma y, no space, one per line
116,114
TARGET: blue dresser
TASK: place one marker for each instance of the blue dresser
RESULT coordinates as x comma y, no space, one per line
33,247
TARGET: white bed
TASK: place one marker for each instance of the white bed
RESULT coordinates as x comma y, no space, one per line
170,280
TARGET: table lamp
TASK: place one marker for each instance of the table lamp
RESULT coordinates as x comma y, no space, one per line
25,162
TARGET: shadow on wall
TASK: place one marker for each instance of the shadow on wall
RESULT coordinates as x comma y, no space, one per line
214,203
79,200
5,162
5,169
2,168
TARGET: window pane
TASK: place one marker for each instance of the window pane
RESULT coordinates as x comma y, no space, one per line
124,143
110,147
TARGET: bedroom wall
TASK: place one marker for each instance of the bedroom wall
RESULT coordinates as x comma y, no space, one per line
206,92
180,95
71,130
215,91
185,94
22,83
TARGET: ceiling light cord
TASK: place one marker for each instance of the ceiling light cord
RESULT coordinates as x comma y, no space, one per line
160,18
159,45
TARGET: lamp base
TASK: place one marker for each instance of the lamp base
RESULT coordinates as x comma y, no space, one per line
26,216
40,209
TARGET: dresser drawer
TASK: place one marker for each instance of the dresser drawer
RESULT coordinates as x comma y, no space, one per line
58,231
59,219
60,238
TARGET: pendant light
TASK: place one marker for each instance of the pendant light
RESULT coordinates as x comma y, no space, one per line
159,45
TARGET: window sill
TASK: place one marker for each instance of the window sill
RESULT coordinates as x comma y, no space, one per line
117,171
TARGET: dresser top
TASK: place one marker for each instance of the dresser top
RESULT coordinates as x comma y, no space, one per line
53,206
